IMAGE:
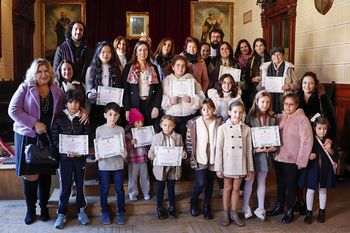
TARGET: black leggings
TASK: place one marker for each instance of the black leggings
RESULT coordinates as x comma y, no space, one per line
160,192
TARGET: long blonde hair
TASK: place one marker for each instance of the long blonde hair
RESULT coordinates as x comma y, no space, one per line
30,74
254,110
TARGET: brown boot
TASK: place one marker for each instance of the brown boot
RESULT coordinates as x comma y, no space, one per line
321,216
308,217
225,218
236,219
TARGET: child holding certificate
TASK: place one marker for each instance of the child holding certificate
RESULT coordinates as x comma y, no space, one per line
319,173
112,166
233,159
200,144
137,157
68,123
169,174
259,115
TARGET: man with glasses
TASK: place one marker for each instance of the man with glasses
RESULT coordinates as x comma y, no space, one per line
216,37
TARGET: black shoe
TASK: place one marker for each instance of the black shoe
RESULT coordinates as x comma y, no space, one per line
297,206
161,213
308,217
278,209
171,212
30,217
206,211
44,216
303,208
321,216
288,217
193,207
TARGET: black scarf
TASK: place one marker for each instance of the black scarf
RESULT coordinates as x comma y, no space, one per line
272,72
163,61
191,58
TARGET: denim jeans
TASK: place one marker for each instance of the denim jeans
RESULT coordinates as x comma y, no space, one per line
105,177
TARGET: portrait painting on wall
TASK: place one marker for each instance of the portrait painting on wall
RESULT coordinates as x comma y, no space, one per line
206,16
55,17
137,24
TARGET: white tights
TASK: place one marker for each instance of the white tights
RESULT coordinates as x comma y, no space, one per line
248,187
310,198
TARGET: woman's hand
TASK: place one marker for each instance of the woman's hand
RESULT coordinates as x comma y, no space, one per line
93,96
152,156
312,156
186,99
220,174
154,113
174,100
256,79
285,87
127,114
40,127
83,116
300,167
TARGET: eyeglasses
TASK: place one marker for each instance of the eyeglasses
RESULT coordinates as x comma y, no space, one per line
288,104
215,36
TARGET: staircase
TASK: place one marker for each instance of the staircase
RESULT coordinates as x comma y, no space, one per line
183,191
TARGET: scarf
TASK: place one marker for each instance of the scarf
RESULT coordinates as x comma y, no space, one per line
163,61
75,55
243,59
272,72
191,58
150,74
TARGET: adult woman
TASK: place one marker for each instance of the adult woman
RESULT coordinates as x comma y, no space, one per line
205,52
121,47
252,69
196,62
67,78
224,57
297,141
142,88
33,107
163,55
243,52
279,68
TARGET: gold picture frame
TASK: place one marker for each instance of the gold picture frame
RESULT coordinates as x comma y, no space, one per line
137,24
53,24
208,15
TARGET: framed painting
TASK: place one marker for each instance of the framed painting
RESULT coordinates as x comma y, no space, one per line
205,16
137,24
55,17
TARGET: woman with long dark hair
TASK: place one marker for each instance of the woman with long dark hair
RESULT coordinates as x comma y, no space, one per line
164,55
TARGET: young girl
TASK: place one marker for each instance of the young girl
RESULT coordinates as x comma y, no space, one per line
103,71
137,157
259,115
234,159
167,137
319,171
200,144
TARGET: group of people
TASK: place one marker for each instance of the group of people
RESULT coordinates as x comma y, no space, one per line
212,124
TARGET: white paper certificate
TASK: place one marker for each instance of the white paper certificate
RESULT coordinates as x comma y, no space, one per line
143,135
236,73
273,84
168,156
266,136
109,146
78,144
109,94
182,87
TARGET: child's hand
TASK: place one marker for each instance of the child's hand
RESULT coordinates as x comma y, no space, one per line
183,154
186,99
256,79
328,141
76,155
220,174
312,156
285,87
98,159
261,149
174,100
328,147
249,174
134,141
271,149
93,96
124,154
152,156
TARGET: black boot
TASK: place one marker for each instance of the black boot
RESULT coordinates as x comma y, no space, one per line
44,194
321,216
278,209
171,212
161,213
194,207
30,192
308,217
288,217
206,211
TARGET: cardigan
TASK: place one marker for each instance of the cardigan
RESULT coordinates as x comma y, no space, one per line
296,138
24,107
234,150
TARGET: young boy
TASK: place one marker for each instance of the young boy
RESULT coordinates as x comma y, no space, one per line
112,166
68,123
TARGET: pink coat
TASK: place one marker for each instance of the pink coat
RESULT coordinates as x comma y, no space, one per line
296,138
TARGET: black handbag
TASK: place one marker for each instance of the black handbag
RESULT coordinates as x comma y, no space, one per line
40,154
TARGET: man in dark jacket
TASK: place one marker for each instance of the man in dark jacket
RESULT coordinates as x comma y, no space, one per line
75,49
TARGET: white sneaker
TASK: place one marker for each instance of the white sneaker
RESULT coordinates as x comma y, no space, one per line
247,212
146,196
132,198
260,213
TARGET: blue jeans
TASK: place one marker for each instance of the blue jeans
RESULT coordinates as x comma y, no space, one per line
105,177
205,179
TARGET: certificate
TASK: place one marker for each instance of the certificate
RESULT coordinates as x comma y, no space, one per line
109,94
143,135
273,84
266,136
78,144
182,87
168,156
109,146
236,73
